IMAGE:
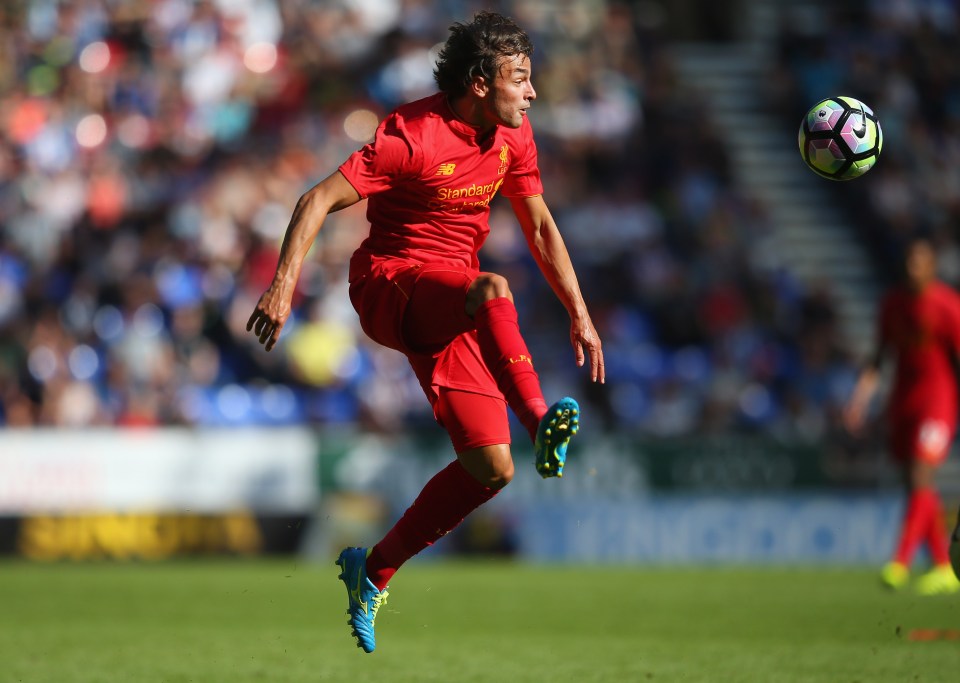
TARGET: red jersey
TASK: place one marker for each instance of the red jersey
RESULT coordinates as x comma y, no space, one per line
923,329
429,177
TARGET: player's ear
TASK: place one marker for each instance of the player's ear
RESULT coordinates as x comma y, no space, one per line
479,87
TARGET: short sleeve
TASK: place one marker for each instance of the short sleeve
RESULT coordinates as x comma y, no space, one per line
523,175
380,165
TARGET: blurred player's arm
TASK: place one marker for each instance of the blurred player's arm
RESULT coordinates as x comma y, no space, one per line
329,195
550,253
855,411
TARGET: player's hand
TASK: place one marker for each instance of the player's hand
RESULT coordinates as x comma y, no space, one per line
854,417
858,405
586,344
270,315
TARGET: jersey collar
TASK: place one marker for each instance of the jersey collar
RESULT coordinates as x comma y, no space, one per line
472,133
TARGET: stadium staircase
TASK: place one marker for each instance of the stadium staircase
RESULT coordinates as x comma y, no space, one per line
813,241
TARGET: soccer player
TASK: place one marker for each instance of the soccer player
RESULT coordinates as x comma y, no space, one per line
920,325
429,176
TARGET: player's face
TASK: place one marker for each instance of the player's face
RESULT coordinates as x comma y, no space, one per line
921,264
511,93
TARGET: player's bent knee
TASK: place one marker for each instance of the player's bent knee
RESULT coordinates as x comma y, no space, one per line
485,287
921,475
502,476
492,466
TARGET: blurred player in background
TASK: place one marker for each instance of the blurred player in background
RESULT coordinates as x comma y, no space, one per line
920,325
430,174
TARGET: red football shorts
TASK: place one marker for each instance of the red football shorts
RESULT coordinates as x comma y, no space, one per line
420,310
927,439
472,420
413,307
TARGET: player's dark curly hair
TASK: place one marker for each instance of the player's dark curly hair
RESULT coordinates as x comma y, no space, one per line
475,49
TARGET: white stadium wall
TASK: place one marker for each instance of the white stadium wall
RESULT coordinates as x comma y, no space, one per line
153,494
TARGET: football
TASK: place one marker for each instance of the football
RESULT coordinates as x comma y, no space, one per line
840,138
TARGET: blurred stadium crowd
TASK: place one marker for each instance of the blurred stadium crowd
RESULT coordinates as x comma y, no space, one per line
151,152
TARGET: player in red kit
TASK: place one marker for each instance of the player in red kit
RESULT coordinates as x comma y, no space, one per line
920,325
416,283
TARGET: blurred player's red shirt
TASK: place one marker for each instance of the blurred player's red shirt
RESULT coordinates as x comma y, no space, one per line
924,331
430,178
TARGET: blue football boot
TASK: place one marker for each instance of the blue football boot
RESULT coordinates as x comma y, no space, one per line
364,598
557,426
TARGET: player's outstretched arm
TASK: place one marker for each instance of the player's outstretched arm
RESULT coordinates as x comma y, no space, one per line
855,412
330,194
550,253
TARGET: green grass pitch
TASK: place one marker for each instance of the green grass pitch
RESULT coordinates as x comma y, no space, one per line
458,622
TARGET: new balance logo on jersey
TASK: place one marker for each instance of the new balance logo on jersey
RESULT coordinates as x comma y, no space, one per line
446,169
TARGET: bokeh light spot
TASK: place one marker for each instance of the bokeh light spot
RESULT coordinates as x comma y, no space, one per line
83,362
42,80
95,57
27,120
91,131
234,402
59,51
148,320
134,131
108,323
42,363
360,125
260,57
278,402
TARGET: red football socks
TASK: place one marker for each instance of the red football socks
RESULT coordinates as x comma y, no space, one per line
509,361
937,532
923,507
450,496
